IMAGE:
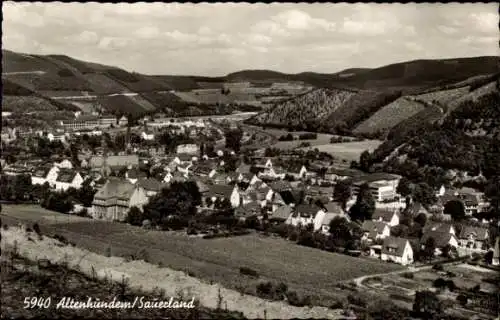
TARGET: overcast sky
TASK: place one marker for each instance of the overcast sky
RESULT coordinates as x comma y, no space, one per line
215,39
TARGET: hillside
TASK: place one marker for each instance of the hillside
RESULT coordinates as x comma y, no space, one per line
466,138
304,110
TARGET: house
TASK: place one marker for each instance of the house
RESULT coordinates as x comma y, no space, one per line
65,164
334,174
191,149
123,121
264,164
441,240
496,253
114,162
398,250
147,136
113,200
134,174
416,208
151,186
221,192
281,214
249,210
168,177
272,173
474,237
67,178
204,170
390,217
441,191
374,230
45,174
304,214
438,227
330,211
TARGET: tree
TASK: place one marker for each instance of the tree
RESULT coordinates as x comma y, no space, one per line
456,209
400,230
365,204
427,304
180,199
424,194
233,140
134,216
421,219
404,188
342,192
365,161
340,231
429,249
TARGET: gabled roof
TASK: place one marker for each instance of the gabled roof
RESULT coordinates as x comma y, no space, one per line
329,216
441,238
385,215
480,233
220,190
114,161
42,172
415,208
333,207
373,228
279,186
136,174
243,168
250,209
66,175
307,209
437,227
282,213
150,184
115,188
398,244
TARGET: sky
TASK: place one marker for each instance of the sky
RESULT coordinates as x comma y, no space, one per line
216,39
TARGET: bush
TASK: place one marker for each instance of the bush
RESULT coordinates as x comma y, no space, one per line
357,301
408,275
65,73
462,299
438,267
264,289
294,299
249,272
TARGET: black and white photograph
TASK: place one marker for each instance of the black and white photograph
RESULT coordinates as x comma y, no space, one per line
250,160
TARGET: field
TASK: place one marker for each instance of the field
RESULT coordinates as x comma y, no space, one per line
23,104
444,96
348,150
389,116
305,270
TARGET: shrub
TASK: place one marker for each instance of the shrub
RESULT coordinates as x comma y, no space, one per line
5,227
294,299
249,272
408,275
264,289
357,301
462,299
65,73
438,267
108,252
36,228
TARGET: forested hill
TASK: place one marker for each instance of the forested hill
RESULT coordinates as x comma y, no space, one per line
467,139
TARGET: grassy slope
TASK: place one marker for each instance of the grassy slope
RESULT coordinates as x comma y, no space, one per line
304,269
389,116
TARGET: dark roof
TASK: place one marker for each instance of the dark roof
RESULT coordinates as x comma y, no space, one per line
395,243
220,190
386,215
282,213
114,161
480,233
376,176
437,226
250,209
441,238
307,209
333,207
42,172
66,175
288,196
150,184
136,174
115,188
373,228
279,186
416,208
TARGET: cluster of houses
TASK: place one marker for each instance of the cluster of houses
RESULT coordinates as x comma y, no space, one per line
261,188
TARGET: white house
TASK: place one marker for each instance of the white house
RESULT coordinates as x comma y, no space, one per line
474,237
441,191
65,164
147,136
374,230
221,192
168,177
67,178
390,217
189,148
305,214
398,250
45,174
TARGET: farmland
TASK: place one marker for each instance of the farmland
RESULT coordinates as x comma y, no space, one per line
26,104
390,115
216,260
348,150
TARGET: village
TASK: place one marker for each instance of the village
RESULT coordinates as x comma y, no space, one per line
355,212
